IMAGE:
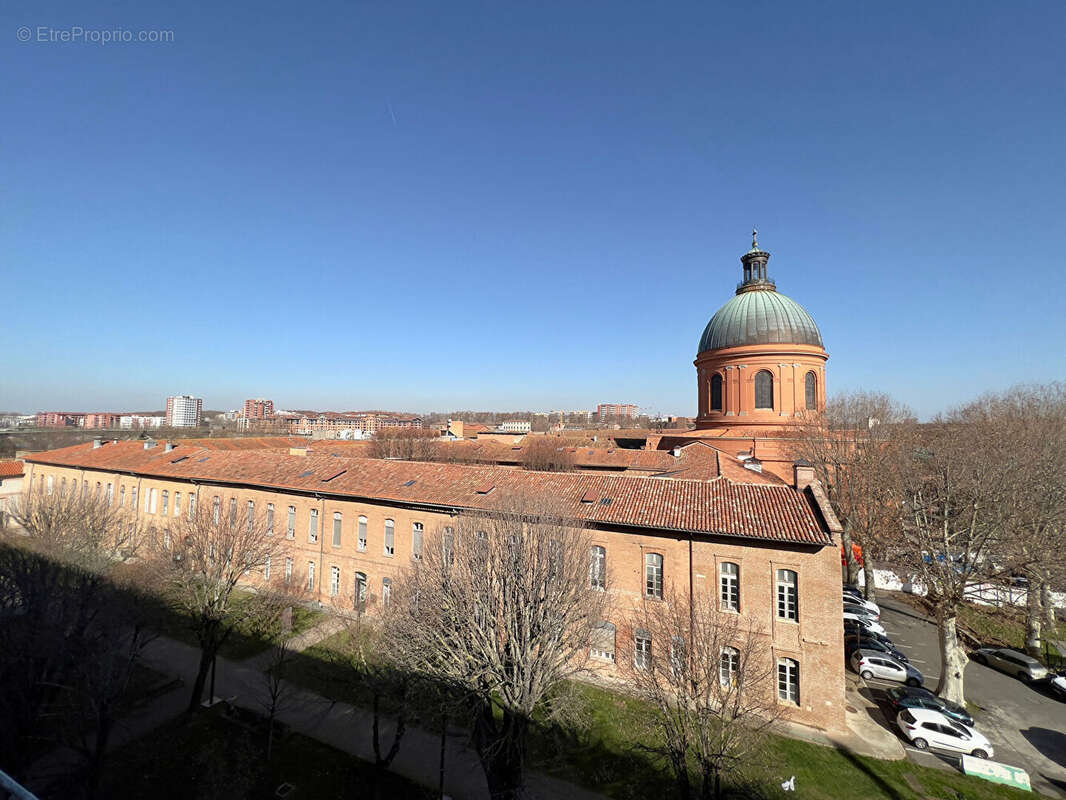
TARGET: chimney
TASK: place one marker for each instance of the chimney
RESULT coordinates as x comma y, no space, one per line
298,451
97,443
677,452
754,464
149,444
114,441
168,446
803,474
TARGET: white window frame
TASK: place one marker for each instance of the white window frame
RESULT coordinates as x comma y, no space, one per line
386,591
290,524
334,581
288,569
362,524
728,665
338,525
729,586
270,519
641,649
166,503
417,538
653,575
312,526
788,680
390,538
602,630
310,576
787,586
598,567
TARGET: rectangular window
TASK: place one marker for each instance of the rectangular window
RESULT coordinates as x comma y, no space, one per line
416,541
788,680
312,526
110,493
653,575
290,530
598,567
192,506
177,504
85,491
641,649
729,579
133,498
251,515
362,534
334,581
787,605
288,570
51,484
310,576
360,589
386,591
266,569
270,519
166,502
121,495
338,521
233,511
390,537
216,506
154,495
97,495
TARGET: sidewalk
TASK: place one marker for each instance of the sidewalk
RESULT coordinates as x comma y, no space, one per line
339,725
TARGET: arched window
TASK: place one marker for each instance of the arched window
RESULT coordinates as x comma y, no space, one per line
386,591
810,390
390,537
598,567
716,392
360,589
729,665
361,543
641,649
788,680
602,645
764,389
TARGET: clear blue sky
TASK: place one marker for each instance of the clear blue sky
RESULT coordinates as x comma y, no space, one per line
523,205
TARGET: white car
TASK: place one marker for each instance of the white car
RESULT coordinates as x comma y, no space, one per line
869,605
866,622
927,728
875,664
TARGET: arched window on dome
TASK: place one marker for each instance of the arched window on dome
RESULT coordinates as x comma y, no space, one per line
716,392
764,390
810,388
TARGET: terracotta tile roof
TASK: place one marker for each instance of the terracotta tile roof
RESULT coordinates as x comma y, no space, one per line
10,469
721,506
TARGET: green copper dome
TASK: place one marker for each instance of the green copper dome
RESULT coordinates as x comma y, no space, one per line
760,316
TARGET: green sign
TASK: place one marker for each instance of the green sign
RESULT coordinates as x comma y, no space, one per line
996,772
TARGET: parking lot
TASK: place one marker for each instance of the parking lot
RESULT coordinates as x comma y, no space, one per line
1027,727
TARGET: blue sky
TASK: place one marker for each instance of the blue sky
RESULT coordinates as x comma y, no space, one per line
490,205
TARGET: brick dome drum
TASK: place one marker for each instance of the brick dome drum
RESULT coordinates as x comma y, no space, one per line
760,317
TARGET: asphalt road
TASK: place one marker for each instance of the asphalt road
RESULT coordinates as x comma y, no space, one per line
1026,726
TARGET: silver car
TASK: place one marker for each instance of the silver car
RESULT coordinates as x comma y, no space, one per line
872,664
1012,662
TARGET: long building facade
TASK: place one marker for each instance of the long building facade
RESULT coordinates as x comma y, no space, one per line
768,552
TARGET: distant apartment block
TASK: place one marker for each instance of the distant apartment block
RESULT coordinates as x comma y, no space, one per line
137,421
184,411
258,408
313,423
606,410
515,426
60,419
101,420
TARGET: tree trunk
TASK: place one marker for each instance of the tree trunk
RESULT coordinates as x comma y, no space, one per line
207,655
443,748
851,568
952,658
1033,615
501,749
870,587
1049,606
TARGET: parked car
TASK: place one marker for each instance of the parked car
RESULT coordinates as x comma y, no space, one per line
856,608
1057,684
1012,662
869,605
927,728
871,664
860,642
913,697
864,621
853,627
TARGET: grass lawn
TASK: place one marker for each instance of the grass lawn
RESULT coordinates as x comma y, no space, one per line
210,756
1006,625
607,756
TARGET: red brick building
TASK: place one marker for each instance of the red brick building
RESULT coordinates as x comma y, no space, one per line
258,408
351,524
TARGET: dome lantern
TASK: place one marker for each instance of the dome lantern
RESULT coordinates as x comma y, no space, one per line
754,262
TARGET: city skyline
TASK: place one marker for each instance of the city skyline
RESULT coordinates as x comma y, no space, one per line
555,207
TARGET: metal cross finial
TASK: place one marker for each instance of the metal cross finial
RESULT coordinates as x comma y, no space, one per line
754,241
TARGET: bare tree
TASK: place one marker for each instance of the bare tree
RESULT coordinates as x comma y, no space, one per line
408,444
710,680
199,561
500,612
853,447
547,454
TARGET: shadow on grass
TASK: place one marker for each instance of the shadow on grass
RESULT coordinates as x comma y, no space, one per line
887,788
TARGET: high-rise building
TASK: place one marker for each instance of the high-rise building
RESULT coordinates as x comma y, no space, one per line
184,411
258,408
607,410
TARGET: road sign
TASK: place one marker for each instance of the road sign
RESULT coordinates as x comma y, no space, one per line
996,772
